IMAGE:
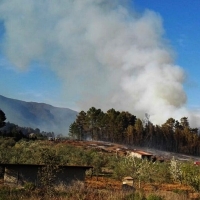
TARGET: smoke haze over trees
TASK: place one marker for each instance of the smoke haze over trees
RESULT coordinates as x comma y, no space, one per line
125,128
37,115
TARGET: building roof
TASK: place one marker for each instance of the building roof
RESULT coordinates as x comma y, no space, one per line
41,165
143,153
128,178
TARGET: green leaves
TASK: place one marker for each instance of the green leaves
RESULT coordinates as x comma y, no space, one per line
97,125
191,175
185,172
175,169
74,131
47,173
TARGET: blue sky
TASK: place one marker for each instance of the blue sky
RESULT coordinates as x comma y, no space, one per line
33,84
45,58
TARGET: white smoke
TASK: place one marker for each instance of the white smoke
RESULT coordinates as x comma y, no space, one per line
107,54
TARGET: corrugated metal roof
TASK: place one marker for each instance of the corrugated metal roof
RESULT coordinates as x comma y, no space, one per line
41,165
128,178
143,153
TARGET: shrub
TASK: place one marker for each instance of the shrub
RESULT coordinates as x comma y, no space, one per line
178,191
9,193
154,197
191,175
135,196
29,186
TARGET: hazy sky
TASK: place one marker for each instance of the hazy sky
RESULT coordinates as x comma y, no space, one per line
140,56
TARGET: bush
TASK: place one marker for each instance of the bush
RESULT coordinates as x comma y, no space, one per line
29,186
178,191
154,197
8,193
135,196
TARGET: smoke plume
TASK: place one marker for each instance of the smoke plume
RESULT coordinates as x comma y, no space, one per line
107,54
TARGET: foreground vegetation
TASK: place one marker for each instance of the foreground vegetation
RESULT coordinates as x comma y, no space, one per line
112,168
82,192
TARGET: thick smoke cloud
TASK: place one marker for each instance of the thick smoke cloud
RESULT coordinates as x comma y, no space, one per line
107,54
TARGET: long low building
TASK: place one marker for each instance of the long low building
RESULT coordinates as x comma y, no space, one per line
19,174
141,154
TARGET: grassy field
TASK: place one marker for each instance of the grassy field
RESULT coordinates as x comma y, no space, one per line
101,189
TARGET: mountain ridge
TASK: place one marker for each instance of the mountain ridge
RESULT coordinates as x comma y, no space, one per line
37,115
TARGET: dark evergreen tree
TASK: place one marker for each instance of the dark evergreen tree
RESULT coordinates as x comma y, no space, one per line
2,119
92,117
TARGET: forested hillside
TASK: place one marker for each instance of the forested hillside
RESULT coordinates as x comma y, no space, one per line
125,128
11,130
37,115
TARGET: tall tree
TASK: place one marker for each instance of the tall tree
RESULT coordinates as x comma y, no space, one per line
168,133
74,131
129,134
170,123
127,119
100,125
149,134
139,131
92,120
2,119
184,122
111,124
81,124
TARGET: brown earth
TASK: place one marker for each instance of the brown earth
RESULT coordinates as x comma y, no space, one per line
105,183
168,191
107,147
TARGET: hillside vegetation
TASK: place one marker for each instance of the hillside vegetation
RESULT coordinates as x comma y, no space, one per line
174,178
125,128
37,115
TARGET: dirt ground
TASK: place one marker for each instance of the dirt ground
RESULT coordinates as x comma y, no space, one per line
168,191
122,149
105,183
107,147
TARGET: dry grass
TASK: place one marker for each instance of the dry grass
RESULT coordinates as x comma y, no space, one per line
103,183
103,189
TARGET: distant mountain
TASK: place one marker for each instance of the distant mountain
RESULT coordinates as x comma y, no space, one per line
37,115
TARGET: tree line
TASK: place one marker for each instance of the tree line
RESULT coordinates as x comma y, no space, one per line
125,128
8,129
